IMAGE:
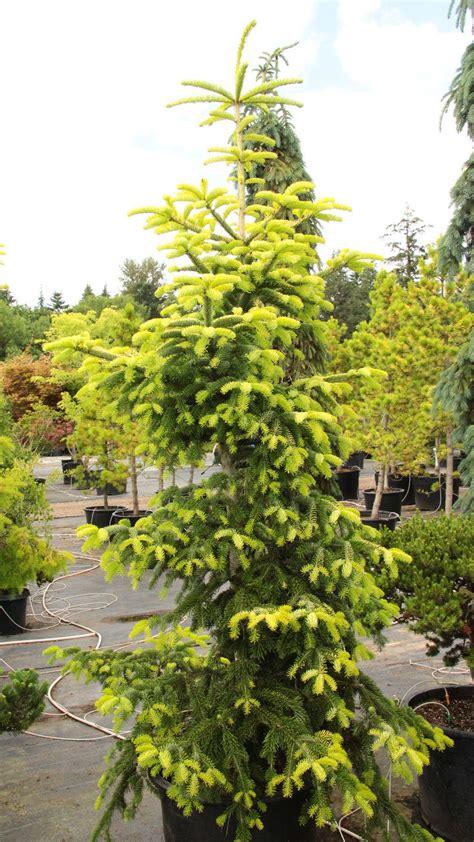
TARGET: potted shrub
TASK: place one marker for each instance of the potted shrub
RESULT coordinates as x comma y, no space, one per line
251,725
436,595
24,555
412,334
106,433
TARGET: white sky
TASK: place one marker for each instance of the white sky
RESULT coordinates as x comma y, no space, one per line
85,135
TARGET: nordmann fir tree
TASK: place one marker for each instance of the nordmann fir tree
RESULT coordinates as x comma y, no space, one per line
264,704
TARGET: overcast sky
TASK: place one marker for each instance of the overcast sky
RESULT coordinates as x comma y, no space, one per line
85,135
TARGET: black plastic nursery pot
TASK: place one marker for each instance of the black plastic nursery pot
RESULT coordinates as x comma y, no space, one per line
456,462
280,821
100,515
355,460
40,480
348,482
13,612
405,482
391,499
388,519
69,465
128,514
447,784
428,499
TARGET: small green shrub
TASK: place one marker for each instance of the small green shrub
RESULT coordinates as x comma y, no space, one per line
435,591
25,555
21,701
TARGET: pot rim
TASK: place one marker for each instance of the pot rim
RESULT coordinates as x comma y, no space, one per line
440,690
4,596
385,491
157,780
367,513
103,509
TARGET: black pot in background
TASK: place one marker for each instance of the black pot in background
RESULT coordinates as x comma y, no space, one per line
13,612
69,465
428,500
388,519
391,499
456,462
99,515
447,784
128,514
348,482
355,460
39,480
280,821
403,481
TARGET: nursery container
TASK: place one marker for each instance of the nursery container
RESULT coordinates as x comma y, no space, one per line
355,460
456,462
13,612
447,784
128,514
403,481
429,500
69,465
388,519
348,482
100,515
391,499
280,821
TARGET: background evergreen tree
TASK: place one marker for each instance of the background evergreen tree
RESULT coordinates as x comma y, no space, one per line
140,281
41,305
402,239
288,166
455,393
349,293
88,291
457,244
5,295
57,303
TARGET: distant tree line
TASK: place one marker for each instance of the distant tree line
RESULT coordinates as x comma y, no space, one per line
23,327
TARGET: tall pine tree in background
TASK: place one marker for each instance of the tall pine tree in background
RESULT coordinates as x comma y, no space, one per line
288,165
457,244
141,281
402,239
57,302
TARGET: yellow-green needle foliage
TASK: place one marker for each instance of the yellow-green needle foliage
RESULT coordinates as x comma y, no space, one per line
412,335
272,567
26,554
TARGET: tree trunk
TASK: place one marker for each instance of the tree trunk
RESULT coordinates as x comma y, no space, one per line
436,452
161,474
173,477
133,479
449,471
191,475
106,499
379,491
